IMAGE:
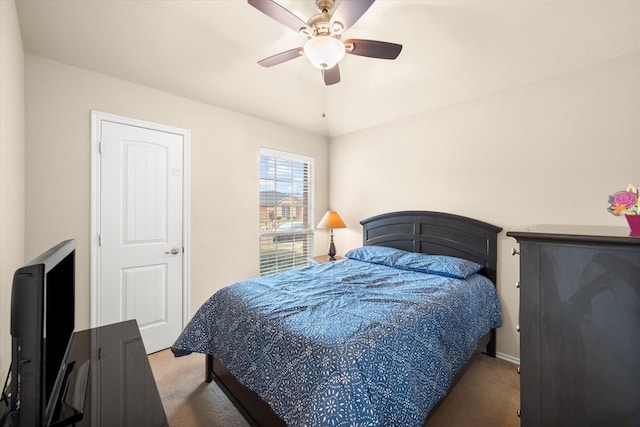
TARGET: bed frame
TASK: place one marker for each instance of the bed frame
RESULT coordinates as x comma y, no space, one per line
415,231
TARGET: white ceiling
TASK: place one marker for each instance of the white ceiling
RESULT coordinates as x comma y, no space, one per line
454,50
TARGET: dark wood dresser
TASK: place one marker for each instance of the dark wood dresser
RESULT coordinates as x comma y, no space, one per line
579,326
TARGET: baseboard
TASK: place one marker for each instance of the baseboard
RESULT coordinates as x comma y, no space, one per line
508,358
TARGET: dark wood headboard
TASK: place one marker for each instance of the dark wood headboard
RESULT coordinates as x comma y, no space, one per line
436,233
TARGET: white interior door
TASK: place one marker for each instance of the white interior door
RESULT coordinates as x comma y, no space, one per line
141,231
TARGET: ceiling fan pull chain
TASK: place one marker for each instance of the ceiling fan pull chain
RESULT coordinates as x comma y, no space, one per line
324,99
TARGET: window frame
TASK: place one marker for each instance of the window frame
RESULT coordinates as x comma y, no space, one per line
280,251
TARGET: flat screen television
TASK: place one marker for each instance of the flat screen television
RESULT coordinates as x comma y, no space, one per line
42,321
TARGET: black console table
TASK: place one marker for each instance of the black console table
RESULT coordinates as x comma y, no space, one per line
107,381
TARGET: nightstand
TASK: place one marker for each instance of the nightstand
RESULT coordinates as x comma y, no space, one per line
325,258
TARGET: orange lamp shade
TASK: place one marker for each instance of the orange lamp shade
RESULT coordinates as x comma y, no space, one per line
331,220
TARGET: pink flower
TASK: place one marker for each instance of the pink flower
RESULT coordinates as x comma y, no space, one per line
625,202
625,198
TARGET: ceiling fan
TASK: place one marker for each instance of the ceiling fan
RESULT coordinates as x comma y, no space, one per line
324,49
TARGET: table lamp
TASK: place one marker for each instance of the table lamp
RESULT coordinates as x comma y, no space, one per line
331,220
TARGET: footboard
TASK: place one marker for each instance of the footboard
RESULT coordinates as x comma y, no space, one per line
255,410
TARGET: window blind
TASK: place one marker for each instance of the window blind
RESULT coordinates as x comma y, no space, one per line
286,207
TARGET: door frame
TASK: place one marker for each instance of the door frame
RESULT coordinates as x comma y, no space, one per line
97,118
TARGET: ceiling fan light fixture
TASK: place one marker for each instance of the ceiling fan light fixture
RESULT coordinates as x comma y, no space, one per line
324,52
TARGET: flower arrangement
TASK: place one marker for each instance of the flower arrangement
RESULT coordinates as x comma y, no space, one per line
625,202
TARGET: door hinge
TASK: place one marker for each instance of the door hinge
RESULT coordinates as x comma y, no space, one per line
99,239
99,147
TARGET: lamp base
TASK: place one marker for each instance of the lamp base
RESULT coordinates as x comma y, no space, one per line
332,250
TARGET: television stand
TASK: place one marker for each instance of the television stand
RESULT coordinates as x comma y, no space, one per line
106,380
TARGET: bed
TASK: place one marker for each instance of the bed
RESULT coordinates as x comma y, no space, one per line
271,339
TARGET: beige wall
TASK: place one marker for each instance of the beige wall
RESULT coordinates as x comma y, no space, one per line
12,124
547,152
225,149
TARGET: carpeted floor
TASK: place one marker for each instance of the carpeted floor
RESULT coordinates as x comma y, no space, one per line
487,395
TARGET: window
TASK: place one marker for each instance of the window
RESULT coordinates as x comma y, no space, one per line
286,207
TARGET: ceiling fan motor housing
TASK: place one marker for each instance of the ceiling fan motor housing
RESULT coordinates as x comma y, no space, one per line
320,24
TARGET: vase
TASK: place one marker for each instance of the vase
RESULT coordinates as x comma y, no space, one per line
634,223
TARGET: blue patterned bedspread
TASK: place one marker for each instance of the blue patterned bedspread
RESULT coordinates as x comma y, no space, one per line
348,343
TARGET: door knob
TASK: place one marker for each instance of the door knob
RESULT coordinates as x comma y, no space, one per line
173,251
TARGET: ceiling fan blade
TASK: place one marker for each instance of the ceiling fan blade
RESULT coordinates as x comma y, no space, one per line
279,13
349,11
331,76
281,57
373,48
